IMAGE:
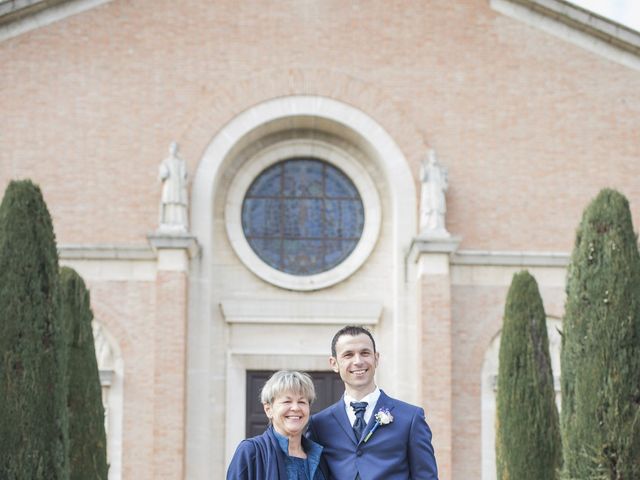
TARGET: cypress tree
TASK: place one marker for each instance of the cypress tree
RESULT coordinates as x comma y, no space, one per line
601,346
528,444
87,439
33,413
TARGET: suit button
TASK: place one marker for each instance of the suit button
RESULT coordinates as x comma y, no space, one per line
359,453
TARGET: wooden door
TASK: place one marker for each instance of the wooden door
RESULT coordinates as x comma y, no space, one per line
329,389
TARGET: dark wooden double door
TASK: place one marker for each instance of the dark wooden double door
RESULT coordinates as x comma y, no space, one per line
329,389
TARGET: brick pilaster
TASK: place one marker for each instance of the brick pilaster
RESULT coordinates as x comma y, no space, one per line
170,343
431,261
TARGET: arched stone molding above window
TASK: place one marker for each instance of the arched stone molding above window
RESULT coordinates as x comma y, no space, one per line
222,101
111,369
353,132
488,392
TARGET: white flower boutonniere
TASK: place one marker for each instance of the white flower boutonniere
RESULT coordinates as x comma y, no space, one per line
383,417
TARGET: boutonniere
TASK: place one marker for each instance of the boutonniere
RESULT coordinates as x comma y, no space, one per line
383,417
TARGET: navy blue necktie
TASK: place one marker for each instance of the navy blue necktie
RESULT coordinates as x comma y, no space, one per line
359,424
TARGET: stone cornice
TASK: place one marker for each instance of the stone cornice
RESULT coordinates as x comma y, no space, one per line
300,312
586,21
510,258
105,252
462,257
171,241
422,244
20,16
577,25
13,10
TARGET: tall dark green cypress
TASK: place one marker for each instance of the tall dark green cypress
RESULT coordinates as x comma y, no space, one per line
33,412
601,346
87,439
528,444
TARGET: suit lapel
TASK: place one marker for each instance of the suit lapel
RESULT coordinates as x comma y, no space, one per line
339,412
384,401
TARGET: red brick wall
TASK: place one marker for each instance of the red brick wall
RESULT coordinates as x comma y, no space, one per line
127,309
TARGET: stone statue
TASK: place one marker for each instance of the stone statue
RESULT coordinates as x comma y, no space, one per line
433,205
173,207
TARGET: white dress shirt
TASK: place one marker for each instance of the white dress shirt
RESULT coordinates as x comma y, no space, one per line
371,400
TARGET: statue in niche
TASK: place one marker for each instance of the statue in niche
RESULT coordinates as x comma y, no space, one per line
173,206
433,205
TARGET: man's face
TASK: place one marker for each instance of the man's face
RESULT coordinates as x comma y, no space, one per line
356,363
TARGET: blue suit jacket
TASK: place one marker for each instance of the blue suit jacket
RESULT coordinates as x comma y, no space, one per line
261,458
400,450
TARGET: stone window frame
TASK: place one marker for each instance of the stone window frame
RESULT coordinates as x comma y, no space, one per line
111,369
350,163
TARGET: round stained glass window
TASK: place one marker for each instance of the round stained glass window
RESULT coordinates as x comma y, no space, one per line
302,216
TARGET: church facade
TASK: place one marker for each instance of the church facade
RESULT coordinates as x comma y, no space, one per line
389,164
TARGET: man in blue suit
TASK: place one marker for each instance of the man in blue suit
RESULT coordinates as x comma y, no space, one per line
368,435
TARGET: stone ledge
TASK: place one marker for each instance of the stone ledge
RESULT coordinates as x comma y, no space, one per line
510,258
299,312
425,244
105,252
174,241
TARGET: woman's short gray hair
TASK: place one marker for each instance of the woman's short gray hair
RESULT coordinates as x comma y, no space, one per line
288,381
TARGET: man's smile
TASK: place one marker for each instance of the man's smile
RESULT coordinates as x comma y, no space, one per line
356,361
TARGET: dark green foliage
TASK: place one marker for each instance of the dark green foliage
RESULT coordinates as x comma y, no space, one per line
33,413
87,440
601,346
528,444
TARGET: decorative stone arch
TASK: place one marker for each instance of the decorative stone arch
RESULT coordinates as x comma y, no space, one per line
217,104
111,369
488,391
207,349
375,139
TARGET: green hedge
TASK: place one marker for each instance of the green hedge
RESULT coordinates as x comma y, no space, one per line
88,445
33,412
601,346
528,444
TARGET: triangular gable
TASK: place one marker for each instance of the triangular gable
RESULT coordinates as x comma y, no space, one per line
578,26
17,18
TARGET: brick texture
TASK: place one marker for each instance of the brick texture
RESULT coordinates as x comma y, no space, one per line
530,128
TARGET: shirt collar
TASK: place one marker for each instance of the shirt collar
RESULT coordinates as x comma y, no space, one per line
371,399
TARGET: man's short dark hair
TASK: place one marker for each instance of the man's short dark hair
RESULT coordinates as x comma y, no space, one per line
352,331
